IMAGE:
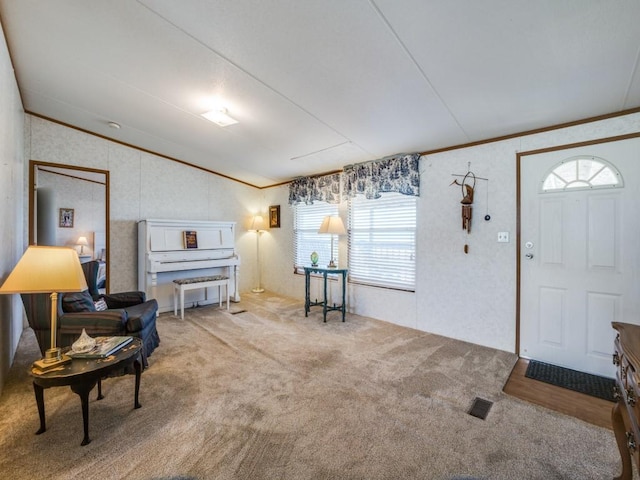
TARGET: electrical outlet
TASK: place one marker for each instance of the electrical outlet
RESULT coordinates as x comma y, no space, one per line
503,237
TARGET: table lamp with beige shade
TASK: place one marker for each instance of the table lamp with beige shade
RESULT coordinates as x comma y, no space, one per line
83,242
332,224
47,270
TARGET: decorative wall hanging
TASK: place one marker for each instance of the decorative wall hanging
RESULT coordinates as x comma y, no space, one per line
66,218
467,186
274,216
468,189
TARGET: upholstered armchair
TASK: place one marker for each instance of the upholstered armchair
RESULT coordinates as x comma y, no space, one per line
91,271
127,313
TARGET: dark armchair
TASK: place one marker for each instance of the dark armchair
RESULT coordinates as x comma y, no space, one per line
127,313
91,272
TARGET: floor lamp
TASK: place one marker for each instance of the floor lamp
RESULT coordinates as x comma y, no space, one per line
47,270
258,226
332,224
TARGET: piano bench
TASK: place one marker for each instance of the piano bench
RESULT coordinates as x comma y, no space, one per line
182,284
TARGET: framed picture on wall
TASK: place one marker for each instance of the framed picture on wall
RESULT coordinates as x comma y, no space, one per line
66,218
274,216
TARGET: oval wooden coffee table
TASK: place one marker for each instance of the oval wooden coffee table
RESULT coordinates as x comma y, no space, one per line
82,374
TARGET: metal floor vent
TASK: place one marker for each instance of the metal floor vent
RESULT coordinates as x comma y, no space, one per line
480,408
239,311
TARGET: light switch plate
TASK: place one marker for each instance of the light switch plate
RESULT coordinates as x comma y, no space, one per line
503,237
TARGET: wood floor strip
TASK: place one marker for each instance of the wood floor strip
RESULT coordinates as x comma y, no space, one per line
585,407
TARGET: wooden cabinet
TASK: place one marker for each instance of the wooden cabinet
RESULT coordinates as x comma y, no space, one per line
626,411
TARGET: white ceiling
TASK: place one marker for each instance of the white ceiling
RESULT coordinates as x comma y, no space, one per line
319,84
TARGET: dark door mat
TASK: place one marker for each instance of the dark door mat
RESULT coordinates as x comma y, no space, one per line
594,385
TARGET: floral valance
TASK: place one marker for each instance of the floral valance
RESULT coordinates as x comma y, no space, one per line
325,188
396,174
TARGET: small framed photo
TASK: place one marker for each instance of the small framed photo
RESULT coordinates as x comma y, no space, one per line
274,216
66,218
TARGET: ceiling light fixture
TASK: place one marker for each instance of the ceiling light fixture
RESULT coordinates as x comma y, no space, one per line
220,117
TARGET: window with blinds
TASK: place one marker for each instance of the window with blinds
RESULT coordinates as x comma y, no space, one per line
306,222
382,241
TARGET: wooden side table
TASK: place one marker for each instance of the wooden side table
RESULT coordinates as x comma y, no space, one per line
324,303
82,375
626,411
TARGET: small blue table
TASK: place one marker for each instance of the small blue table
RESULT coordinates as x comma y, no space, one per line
325,271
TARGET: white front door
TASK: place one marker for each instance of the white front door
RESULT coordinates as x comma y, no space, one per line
580,267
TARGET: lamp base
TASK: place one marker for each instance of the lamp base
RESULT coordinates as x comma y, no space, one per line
53,358
257,290
332,264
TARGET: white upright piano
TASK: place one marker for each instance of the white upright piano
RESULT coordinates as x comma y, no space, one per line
166,253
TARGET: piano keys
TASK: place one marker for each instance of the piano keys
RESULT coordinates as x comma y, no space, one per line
171,249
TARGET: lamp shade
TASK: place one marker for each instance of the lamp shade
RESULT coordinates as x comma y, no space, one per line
258,224
332,224
45,270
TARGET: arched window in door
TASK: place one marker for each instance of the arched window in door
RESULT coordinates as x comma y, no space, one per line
580,173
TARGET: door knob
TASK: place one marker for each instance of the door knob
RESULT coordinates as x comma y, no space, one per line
529,256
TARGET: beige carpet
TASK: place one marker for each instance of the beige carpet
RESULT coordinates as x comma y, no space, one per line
270,394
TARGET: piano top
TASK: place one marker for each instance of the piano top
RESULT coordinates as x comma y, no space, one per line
187,236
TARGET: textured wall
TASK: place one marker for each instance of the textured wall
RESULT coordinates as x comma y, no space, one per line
11,205
465,296
470,296
145,186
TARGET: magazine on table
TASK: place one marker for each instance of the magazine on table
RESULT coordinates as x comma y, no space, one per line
104,347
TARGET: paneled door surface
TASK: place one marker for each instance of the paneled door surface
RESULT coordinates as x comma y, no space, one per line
580,269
